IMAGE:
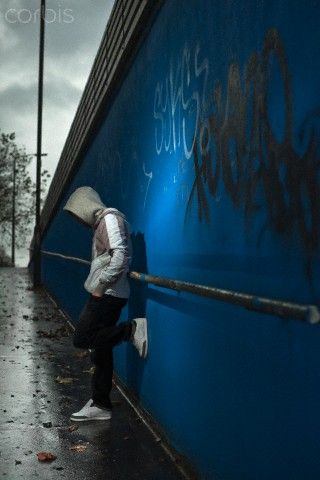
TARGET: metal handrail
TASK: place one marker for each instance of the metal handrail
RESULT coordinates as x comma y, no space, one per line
65,257
284,309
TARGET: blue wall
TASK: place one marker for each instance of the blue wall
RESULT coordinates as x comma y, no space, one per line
211,148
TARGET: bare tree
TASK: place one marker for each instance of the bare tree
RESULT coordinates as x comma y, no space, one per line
10,155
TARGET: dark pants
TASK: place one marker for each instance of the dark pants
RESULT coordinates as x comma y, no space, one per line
97,330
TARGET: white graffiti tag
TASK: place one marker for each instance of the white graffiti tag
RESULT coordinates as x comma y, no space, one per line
178,102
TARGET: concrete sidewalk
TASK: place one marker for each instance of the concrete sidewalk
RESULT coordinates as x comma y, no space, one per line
42,380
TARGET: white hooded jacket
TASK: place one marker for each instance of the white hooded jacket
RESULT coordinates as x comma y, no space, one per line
111,245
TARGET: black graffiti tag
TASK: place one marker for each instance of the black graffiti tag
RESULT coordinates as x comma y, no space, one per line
237,145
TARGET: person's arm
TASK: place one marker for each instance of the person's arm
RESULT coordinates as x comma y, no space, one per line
117,234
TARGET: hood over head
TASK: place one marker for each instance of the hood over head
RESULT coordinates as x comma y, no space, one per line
86,204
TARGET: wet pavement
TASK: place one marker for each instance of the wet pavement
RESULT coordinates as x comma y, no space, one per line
43,379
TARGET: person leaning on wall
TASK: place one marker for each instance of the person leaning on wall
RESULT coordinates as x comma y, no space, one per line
108,286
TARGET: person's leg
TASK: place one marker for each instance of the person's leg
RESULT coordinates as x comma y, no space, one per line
101,382
97,324
97,330
89,320
104,339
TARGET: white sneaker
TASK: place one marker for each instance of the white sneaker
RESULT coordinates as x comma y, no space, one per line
140,336
91,412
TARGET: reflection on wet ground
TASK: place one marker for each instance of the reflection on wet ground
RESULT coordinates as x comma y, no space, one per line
43,379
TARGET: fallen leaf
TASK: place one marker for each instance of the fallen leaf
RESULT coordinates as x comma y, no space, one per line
46,457
72,428
78,448
90,371
64,380
83,354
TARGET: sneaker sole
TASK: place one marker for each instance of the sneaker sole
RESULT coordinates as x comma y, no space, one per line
144,350
96,419
145,343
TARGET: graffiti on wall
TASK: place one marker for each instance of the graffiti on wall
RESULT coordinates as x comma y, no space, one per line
178,104
236,145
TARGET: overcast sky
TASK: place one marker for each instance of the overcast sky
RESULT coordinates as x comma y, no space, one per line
74,30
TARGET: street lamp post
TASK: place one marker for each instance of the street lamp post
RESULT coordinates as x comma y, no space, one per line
37,232
13,234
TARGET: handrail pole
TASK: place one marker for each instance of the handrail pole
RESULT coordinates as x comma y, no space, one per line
65,257
284,309
252,302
